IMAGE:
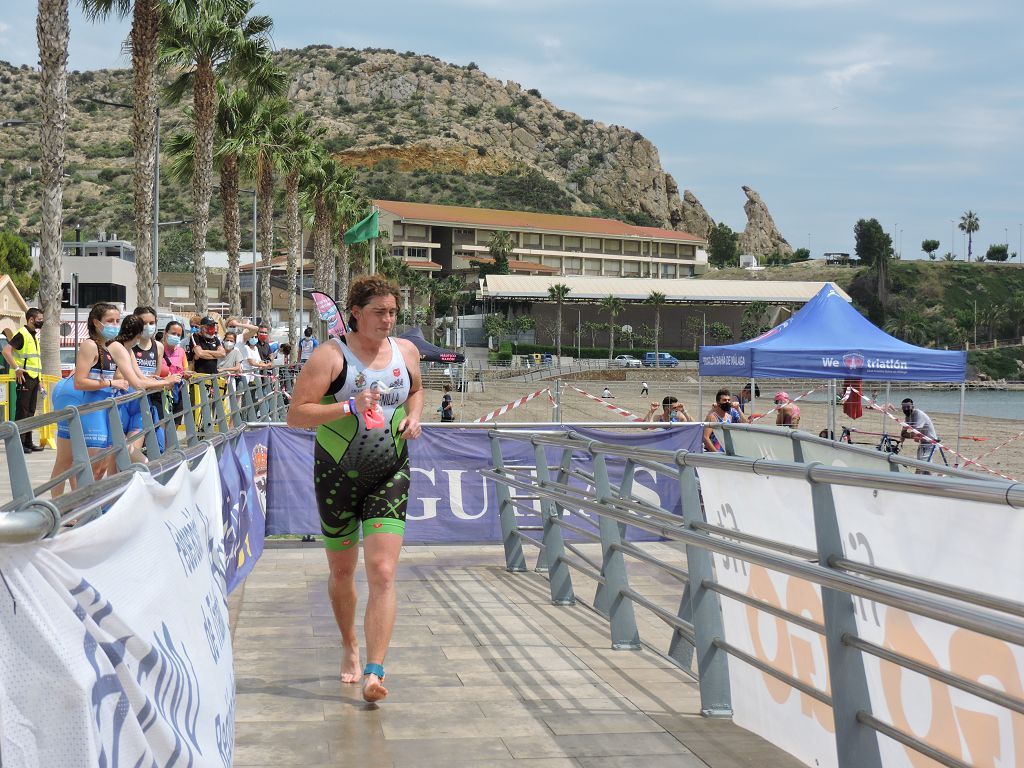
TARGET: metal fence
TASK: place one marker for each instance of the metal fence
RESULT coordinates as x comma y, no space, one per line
213,410
601,511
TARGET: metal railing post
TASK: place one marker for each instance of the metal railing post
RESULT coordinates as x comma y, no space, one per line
188,413
559,576
205,412
171,442
602,595
248,406
17,467
613,568
117,438
261,399
149,430
514,559
80,458
704,610
219,412
856,743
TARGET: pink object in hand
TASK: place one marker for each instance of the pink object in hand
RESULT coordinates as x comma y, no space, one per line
374,417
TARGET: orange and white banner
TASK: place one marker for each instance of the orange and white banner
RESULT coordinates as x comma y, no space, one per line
904,532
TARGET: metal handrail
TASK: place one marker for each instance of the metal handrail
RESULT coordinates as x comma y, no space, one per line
220,413
616,510
940,609
973,488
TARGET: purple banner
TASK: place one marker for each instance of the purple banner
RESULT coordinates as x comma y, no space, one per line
449,500
328,310
242,468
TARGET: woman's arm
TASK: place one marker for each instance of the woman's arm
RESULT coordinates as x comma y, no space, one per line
128,369
87,353
410,425
306,410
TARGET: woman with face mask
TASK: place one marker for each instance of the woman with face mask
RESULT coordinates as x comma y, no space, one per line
148,352
176,362
230,366
93,380
132,329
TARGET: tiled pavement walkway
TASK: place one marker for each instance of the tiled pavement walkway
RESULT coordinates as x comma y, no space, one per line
483,671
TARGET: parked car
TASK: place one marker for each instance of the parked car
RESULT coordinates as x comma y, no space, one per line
627,361
661,359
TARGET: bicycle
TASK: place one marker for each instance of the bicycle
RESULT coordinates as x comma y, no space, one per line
889,444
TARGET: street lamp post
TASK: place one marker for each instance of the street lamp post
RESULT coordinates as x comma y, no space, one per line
952,238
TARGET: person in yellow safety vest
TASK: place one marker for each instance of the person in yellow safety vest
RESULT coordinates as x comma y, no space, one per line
22,354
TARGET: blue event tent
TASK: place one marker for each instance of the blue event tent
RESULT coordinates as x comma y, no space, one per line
829,339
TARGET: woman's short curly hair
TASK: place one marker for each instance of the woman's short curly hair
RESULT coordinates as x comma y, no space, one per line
366,288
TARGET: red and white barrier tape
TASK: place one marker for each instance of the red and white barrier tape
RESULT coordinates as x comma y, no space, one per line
621,411
975,460
873,404
511,406
754,418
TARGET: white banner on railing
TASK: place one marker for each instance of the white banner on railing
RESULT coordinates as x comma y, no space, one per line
114,646
972,545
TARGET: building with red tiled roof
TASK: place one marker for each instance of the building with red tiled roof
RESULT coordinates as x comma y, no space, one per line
456,238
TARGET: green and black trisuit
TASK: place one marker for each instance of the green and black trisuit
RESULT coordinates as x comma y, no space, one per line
361,475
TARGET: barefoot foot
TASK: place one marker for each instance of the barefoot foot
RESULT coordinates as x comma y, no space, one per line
373,689
351,672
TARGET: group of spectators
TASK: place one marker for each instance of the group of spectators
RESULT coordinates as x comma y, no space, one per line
126,353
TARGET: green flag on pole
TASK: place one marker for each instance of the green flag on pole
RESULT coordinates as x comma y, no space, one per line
365,230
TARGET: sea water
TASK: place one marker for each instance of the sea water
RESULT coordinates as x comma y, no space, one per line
989,403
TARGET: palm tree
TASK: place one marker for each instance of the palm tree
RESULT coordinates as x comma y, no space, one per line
324,186
908,325
969,223
52,31
298,148
143,43
259,152
234,122
351,207
1015,307
449,290
613,304
657,300
500,247
558,293
200,41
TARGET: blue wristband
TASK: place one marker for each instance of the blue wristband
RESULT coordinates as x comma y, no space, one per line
352,405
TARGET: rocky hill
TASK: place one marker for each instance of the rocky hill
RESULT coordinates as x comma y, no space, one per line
415,127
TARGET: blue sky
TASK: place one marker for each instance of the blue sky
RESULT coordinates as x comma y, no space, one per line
910,111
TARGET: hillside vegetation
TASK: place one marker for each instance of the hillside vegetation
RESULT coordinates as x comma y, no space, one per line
415,128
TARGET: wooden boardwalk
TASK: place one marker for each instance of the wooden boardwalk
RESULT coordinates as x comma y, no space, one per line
483,671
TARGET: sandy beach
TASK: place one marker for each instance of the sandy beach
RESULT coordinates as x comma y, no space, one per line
980,433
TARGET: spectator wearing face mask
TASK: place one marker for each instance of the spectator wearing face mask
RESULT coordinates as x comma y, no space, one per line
176,362
22,355
207,349
241,329
148,352
232,360
263,344
918,427
251,360
724,413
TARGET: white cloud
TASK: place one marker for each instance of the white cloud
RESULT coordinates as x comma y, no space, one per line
550,43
